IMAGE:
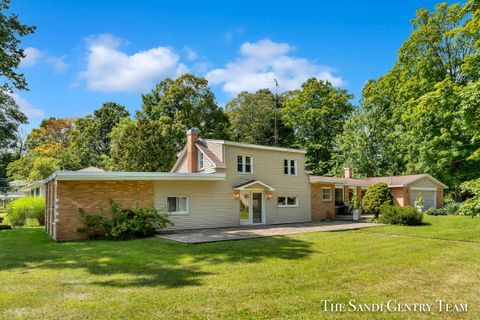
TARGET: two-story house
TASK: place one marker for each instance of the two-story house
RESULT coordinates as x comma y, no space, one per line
214,183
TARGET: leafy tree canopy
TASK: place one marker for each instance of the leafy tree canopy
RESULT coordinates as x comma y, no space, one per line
317,114
11,32
186,101
252,119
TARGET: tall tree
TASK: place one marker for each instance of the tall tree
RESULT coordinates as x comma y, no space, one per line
317,113
51,137
252,119
421,118
145,145
11,32
189,102
90,140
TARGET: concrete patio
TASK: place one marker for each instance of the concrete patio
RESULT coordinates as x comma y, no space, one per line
239,233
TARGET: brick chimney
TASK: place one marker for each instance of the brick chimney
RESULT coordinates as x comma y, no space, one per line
348,172
192,151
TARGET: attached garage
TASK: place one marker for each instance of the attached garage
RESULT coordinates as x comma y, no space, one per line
429,197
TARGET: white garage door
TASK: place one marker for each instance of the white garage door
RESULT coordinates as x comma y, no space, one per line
428,197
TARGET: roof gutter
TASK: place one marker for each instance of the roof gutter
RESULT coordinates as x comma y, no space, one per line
132,176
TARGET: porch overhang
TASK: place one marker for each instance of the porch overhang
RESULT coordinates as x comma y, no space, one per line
247,185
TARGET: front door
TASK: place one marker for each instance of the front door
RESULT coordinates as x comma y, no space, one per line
251,207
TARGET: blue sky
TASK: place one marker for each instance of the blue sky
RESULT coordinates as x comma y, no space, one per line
87,52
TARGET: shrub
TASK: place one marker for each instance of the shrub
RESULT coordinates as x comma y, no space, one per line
123,223
436,212
376,196
451,208
406,216
31,209
470,207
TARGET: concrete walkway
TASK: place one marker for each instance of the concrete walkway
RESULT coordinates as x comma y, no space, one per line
238,233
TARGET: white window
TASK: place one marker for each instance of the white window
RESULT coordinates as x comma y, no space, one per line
290,167
244,164
200,160
177,205
287,201
326,194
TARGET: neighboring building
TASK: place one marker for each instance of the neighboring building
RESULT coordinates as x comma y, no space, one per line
5,199
404,189
214,183
34,189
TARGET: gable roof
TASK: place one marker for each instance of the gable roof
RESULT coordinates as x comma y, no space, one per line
209,154
391,181
244,185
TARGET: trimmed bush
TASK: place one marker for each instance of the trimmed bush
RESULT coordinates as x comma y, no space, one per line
436,212
406,216
123,224
376,196
27,209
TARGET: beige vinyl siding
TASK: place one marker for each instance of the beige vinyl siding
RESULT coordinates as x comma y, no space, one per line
268,168
208,166
216,148
210,203
424,183
182,167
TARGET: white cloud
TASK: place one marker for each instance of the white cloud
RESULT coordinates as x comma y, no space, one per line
111,70
34,56
25,106
261,62
191,54
58,63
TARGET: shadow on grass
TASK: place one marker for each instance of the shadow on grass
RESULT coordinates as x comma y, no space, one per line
144,262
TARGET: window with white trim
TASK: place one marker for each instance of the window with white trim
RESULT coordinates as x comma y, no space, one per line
244,164
177,205
287,201
200,160
326,194
290,167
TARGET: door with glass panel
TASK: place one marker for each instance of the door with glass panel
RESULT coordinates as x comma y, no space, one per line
251,207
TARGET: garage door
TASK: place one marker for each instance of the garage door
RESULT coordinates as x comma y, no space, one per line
428,197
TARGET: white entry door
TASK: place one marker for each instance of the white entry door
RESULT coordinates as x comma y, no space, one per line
252,207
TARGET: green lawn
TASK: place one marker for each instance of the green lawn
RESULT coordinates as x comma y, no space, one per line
277,277
446,227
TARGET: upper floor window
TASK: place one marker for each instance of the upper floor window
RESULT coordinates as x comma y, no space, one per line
200,160
244,164
290,167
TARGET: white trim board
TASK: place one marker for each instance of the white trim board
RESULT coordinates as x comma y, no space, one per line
118,176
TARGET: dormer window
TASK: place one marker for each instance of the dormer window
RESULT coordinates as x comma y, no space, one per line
290,167
244,164
200,160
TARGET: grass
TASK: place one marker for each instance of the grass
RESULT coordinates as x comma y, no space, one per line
267,278
443,227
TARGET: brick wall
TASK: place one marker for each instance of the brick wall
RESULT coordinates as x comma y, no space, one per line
400,196
322,209
440,200
91,196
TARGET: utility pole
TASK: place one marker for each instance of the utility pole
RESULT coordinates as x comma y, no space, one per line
275,112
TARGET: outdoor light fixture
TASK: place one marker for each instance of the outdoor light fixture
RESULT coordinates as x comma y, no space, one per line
269,196
236,195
